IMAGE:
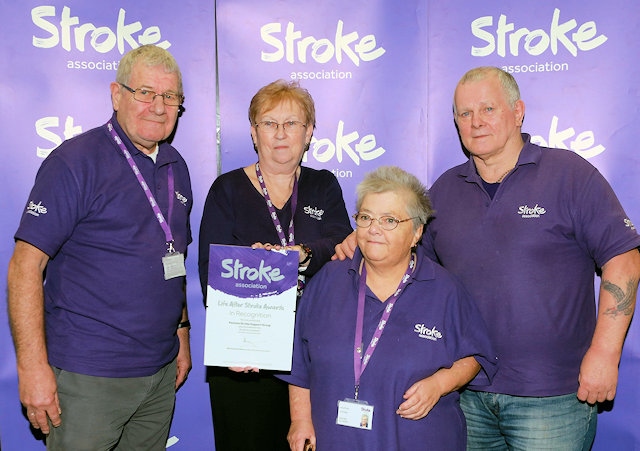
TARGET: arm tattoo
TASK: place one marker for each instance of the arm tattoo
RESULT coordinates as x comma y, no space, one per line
624,301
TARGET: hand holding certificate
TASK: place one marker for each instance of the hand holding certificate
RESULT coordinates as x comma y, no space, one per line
251,302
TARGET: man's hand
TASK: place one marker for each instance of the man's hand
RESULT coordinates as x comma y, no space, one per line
36,381
598,377
346,249
39,395
183,361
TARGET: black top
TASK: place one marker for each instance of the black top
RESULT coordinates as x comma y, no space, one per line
235,213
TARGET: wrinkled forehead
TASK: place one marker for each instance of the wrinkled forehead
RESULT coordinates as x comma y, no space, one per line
285,105
154,76
486,91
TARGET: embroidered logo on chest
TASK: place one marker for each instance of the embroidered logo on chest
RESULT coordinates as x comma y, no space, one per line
181,198
313,212
424,332
526,211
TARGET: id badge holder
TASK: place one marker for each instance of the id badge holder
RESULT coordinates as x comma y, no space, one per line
173,263
355,413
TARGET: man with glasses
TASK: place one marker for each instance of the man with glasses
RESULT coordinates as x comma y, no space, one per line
96,283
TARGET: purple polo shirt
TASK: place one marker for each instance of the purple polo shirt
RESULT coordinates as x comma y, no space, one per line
528,257
108,310
433,301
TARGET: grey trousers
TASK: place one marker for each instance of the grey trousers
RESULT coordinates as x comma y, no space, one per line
105,413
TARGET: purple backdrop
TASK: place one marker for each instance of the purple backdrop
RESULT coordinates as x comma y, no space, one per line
382,74
363,62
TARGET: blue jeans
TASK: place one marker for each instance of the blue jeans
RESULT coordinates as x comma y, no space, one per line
504,422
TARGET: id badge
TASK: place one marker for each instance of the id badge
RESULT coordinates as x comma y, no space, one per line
355,413
173,265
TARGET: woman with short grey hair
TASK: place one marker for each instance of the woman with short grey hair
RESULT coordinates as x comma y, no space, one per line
384,342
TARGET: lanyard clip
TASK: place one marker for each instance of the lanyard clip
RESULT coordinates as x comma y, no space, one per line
170,248
357,389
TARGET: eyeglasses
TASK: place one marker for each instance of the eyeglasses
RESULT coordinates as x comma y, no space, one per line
147,96
386,222
288,126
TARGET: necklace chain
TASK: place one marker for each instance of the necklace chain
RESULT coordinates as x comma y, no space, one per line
504,175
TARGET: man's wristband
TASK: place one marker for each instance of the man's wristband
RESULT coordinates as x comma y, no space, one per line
186,324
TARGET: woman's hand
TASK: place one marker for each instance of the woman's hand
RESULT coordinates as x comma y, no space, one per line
299,432
424,394
244,369
269,246
301,428
420,399
278,247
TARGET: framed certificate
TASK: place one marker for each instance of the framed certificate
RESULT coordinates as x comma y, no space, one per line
251,303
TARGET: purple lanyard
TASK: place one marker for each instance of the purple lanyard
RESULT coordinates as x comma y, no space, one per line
152,200
359,362
272,209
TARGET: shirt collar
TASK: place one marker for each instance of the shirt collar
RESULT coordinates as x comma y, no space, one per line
425,267
164,157
530,154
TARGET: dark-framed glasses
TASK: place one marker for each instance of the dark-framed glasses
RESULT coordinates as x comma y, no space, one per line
287,126
364,220
148,96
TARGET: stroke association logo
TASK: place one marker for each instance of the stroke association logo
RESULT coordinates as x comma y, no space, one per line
313,212
72,33
429,334
36,209
527,212
535,42
294,47
182,199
